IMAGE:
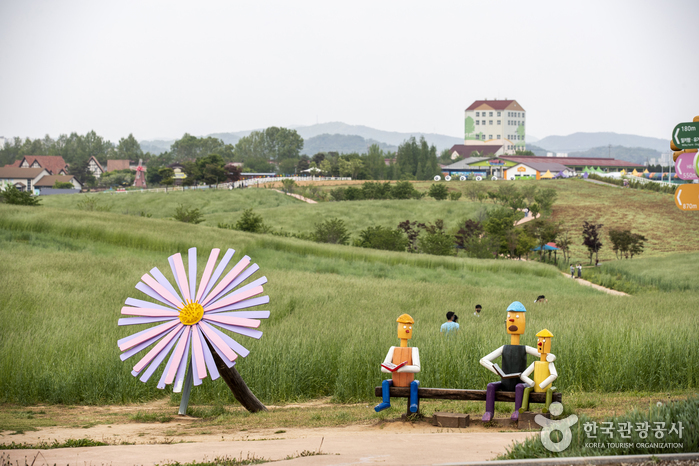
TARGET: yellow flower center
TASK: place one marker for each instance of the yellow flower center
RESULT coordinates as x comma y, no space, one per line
191,313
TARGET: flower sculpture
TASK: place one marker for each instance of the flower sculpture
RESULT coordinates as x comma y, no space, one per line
192,318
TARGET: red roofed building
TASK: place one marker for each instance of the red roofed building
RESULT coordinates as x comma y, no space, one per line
578,163
501,121
54,164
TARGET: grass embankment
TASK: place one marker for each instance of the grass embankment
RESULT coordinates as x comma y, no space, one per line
651,214
65,277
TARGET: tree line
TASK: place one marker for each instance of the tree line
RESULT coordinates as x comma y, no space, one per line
205,159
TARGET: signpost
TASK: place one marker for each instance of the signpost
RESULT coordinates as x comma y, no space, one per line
687,197
686,166
686,135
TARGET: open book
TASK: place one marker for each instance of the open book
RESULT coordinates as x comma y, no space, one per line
393,367
503,375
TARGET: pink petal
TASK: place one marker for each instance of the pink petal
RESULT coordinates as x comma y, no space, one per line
158,288
178,269
235,297
179,352
156,349
217,341
148,335
235,271
139,311
207,272
198,353
230,320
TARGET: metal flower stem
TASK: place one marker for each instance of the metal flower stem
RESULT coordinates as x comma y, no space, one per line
186,391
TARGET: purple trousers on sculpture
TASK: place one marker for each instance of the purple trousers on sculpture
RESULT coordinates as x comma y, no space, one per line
490,400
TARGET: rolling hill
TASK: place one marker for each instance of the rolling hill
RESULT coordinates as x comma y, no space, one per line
578,142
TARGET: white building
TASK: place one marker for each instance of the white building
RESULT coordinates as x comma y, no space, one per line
502,121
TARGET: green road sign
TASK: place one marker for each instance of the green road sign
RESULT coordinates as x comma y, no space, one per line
686,135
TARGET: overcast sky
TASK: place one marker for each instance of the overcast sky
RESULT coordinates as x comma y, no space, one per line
160,69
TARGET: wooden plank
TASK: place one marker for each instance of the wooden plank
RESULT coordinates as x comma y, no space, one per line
464,395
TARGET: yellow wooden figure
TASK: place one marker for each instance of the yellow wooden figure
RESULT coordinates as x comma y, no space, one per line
544,372
402,363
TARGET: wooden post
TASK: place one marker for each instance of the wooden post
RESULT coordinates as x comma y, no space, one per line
235,382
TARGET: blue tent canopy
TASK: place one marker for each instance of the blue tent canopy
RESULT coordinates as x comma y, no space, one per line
546,248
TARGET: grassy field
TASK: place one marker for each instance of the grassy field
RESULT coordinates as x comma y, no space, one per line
66,274
653,215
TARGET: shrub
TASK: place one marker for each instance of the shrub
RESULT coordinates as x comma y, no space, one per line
438,191
455,196
331,231
353,194
338,194
434,240
12,195
376,190
186,215
288,186
63,185
404,190
250,222
382,238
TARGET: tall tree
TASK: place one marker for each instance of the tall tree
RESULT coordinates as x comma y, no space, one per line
129,148
592,238
375,162
191,147
275,144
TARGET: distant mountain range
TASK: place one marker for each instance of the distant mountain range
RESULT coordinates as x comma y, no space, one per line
344,138
331,140
342,143
578,142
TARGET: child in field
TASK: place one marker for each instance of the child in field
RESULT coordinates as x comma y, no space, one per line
572,271
478,310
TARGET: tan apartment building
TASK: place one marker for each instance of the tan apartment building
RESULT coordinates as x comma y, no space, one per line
496,121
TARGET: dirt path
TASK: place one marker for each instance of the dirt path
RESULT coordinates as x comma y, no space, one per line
388,443
298,196
597,287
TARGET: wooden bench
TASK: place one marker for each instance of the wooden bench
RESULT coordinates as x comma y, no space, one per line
461,394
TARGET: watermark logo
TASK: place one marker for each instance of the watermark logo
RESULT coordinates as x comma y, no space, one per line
561,425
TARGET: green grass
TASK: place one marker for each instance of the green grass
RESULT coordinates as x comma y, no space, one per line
151,417
685,412
651,214
281,212
66,275
70,443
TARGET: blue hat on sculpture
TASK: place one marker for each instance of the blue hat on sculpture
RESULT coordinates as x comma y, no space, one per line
516,307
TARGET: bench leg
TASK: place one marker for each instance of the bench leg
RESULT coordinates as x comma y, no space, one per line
385,393
490,400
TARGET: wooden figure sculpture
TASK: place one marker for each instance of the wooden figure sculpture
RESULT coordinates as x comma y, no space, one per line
189,324
403,363
544,372
514,362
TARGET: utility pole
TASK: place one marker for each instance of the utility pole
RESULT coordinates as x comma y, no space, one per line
609,154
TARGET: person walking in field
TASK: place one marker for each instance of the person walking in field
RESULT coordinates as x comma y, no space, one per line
450,325
579,271
478,310
572,271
